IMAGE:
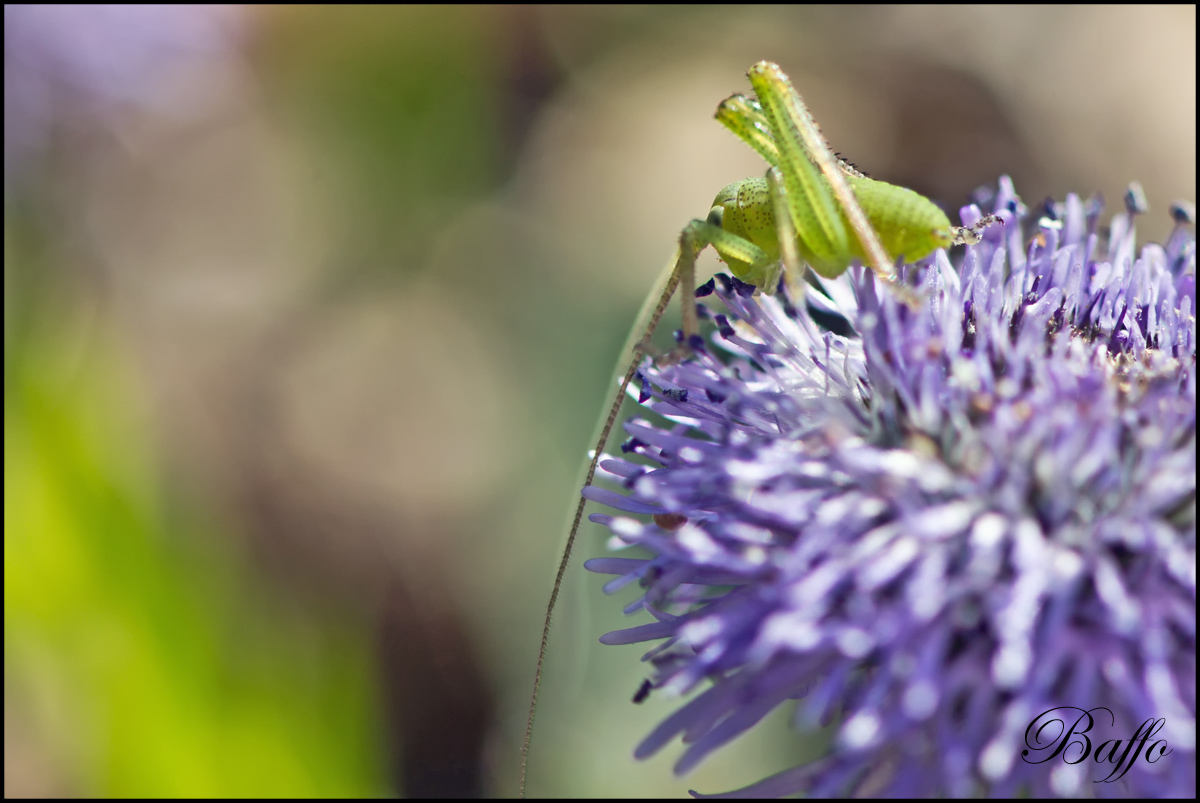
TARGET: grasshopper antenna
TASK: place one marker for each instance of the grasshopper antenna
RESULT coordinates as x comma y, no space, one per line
639,336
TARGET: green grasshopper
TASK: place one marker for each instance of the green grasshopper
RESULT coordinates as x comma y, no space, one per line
810,206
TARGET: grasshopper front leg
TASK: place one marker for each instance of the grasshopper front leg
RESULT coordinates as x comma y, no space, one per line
733,249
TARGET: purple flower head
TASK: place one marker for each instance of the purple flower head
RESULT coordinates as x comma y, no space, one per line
932,525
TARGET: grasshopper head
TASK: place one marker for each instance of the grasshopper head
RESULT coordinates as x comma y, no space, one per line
744,208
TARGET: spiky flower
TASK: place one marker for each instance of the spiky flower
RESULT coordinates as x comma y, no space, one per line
932,526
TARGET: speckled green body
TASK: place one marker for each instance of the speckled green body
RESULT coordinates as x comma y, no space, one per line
908,224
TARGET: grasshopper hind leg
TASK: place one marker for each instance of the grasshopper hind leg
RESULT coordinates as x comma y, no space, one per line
789,254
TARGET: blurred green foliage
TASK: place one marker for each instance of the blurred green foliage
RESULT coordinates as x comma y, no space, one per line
404,101
136,643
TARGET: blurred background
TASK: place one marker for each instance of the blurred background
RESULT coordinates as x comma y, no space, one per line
308,316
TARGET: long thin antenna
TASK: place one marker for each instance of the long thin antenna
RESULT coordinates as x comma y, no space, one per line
635,349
